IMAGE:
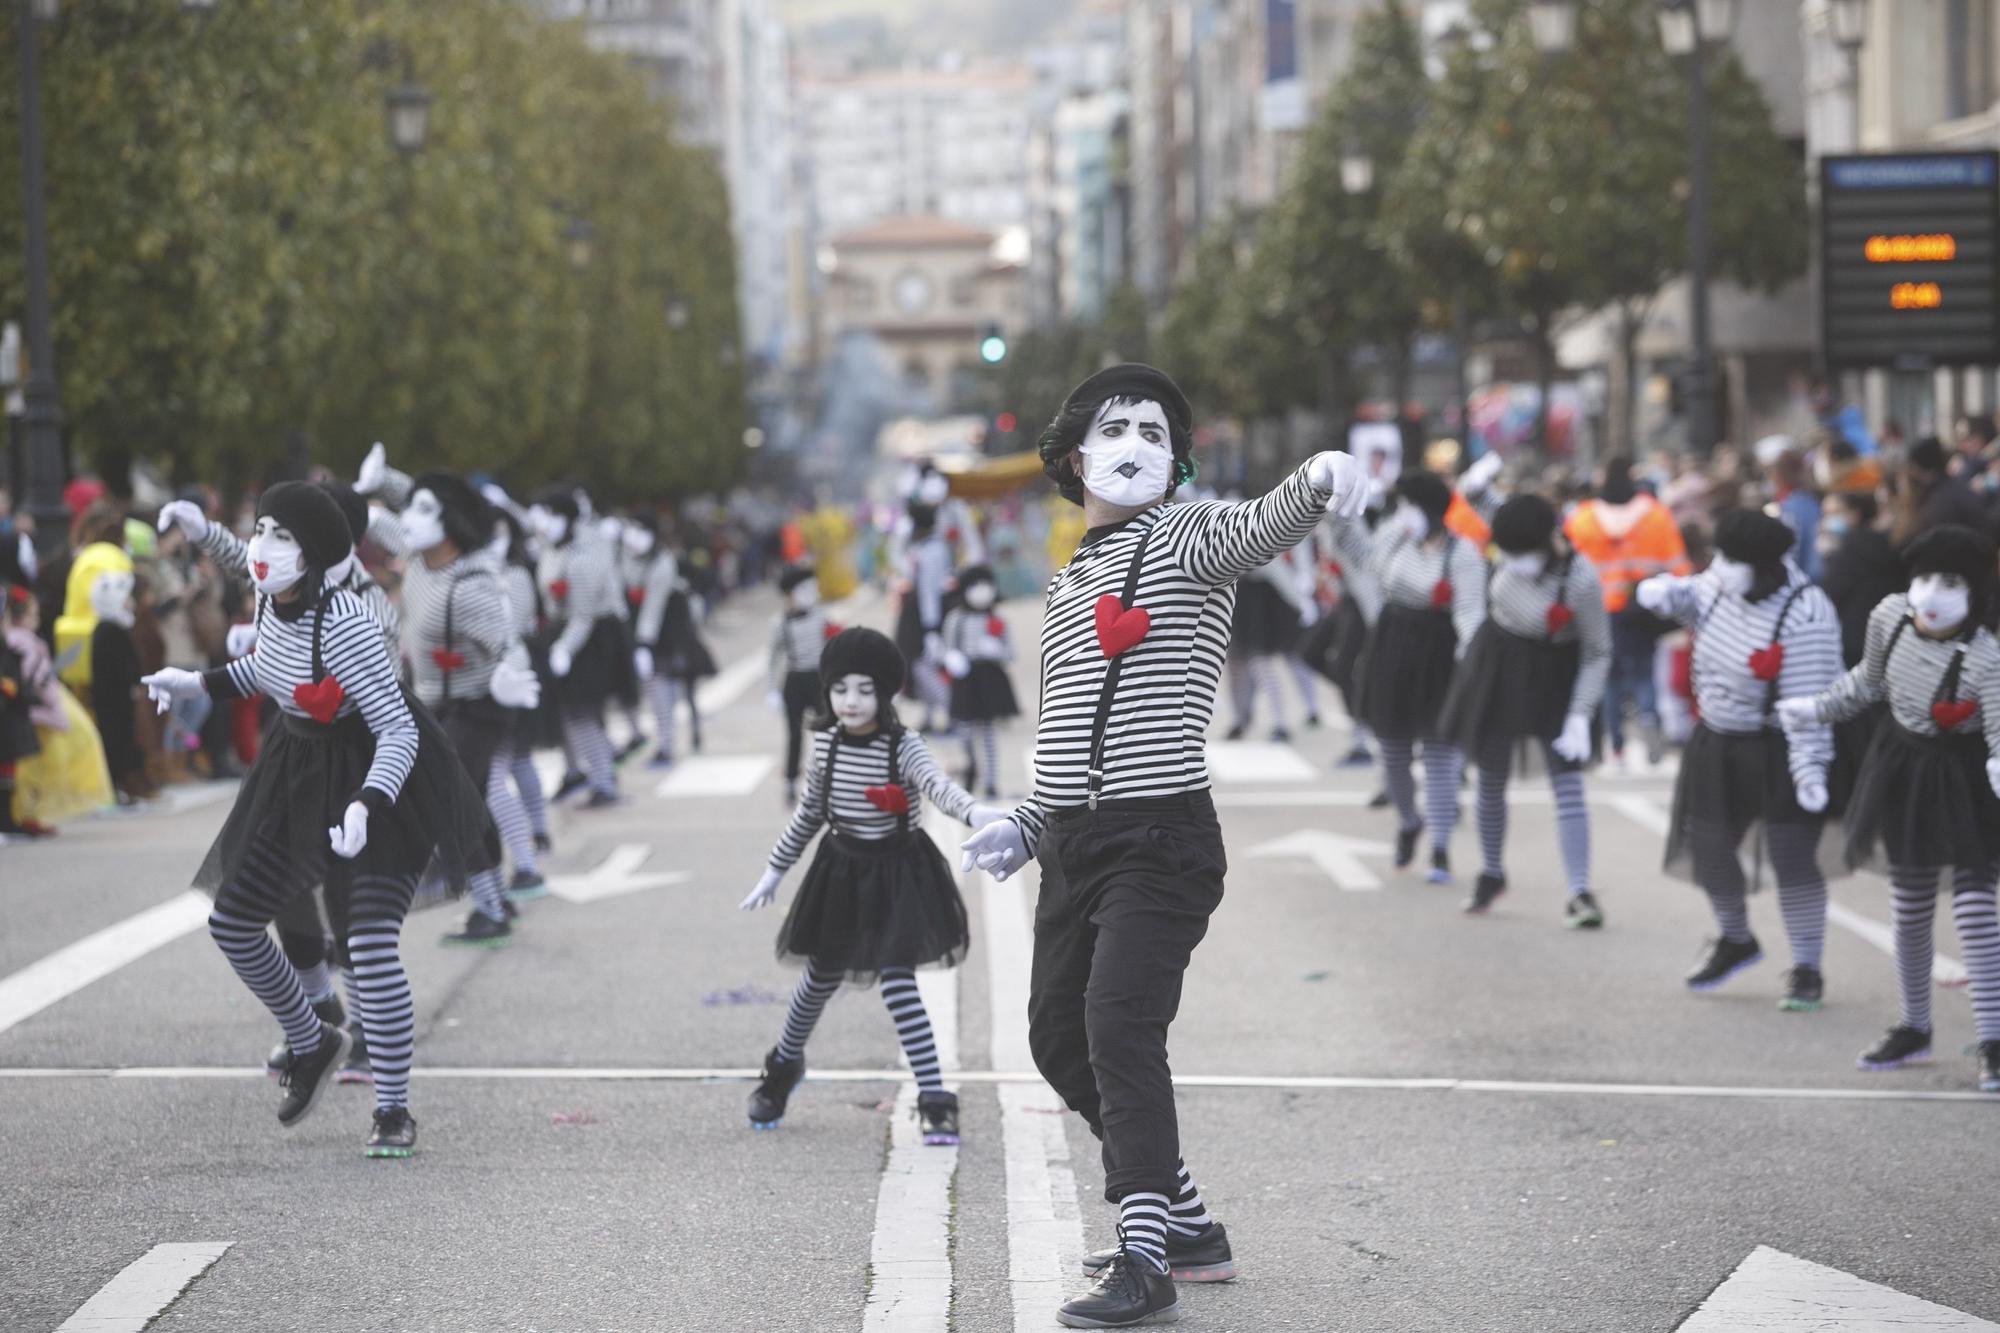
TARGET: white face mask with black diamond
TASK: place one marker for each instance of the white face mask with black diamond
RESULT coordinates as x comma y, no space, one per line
1128,456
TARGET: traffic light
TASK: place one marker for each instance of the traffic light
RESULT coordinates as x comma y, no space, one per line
992,343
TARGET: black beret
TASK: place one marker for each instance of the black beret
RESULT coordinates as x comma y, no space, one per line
1752,537
353,508
1131,380
1951,549
468,518
560,500
864,652
1427,491
1524,524
972,574
313,517
793,576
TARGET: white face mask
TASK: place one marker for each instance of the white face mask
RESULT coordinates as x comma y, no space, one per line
111,598
1128,458
979,596
1411,520
1732,576
1528,566
637,540
933,490
550,526
806,595
276,562
854,703
422,522
1941,602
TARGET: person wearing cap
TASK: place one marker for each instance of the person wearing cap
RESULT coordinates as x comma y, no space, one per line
977,649
1927,797
792,683
1121,820
1761,633
354,785
879,900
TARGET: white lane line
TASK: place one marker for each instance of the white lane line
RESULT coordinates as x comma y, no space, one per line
1258,761
1005,1078
939,986
1354,798
726,687
726,775
1775,1292
1009,956
68,970
146,1287
909,1287
1044,1222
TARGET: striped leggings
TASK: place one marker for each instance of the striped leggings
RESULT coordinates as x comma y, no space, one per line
589,747
376,906
982,751
1572,814
660,692
906,1010
528,783
1914,907
1801,885
510,816
1251,675
1442,766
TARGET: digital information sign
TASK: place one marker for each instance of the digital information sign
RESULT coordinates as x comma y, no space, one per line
1908,278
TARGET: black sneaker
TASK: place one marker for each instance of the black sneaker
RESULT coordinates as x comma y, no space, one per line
1901,1045
1805,988
357,1069
1380,800
1202,1258
1484,890
1358,757
1989,1066
330,1012
542,843
306,1077
1721,960
1126,1291
938,1111
662,759
1406,846
482,931
394,1135
601,800
527,885
767,1102
629,749
572,783
1582,913
1440,871
507,906
1235,733
1280,736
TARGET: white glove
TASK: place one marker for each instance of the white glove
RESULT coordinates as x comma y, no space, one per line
171,683
1993,775
998,849
1800,712
185,515
351,834
992,645
1812,796
775,702
764,893
374,471
1654,592
642,662
1481,474
1574,742
241,640
1341,474
933,646
982,815
515,686
956,664
496,496
559,660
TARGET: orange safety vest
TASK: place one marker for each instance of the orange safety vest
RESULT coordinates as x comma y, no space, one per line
1462,520
1652,545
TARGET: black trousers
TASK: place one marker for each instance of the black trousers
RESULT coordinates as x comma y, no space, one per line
1127,891
801,693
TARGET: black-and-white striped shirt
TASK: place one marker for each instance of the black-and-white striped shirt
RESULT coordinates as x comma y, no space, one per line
930,571
232,556
519,583
580,585
1521,606
352,653
1155,741
1911,677
468,593
657,582
863,762
1729,629
980,635
1410,571
797,640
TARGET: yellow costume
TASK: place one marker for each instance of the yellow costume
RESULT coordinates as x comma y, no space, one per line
77,621
68,778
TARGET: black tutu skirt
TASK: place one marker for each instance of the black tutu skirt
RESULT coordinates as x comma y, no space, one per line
540,727
306,774
624,670
1922,801
867,905
1265,622
1333,645
1731,784
1510,688
478,728
984,694
1407,672
909,635
680,654
593,672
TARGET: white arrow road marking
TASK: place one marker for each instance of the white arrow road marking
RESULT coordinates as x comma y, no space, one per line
1774,1292
616,874
715,775
67,971
148,1285
1336,854
1258,761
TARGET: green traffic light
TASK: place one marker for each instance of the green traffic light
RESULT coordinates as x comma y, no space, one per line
992,348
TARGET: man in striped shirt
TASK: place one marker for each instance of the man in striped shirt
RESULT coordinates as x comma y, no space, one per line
1132,861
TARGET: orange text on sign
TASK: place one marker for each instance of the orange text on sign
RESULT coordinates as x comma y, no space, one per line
1934,248
1915,296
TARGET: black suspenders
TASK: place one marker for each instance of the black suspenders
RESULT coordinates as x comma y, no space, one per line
1112,672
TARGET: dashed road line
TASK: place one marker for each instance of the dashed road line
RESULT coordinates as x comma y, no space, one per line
68,970
145,1288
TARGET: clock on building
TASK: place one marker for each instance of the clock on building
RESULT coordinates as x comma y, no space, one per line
913,292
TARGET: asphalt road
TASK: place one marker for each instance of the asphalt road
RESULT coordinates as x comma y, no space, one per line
1410,1120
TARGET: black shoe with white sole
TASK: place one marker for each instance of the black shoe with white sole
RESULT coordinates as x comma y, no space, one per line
1126,1292
309,1074
481,931
767,1100
1805,989
1203,1258
1722,959
1900,1045
394,1134
1406,845
330,1011
1583,913
1484,890
938,1113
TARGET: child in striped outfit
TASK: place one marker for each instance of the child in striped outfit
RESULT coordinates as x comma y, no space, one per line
798,636
977,649
1761,633
1534,674
585,599
878,901
1927,797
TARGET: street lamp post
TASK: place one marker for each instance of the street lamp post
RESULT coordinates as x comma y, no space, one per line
1686,28
41,418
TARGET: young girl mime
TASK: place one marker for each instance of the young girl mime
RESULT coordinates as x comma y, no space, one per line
354,786
655,572
1924,801
581,589
522,813
1433,587
977,649
878,901
1761,633
1534,675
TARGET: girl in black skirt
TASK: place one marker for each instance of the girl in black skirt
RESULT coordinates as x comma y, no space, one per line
588,658
977,649
1533,676
1433,600
356,784
680,654
1927,796
878,901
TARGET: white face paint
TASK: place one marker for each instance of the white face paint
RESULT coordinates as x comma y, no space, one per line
1528,566
422,521
933,490
854,702
550,526
1128,457
979,596
1412,520
637,540
502,540
111,598
806,595
1732,576
1941,602
610,529
276,562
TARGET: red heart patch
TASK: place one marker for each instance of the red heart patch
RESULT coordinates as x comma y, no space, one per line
558,588
450,661
635,595
1765,662
320,701
889,800
1117,628
1949,713
995,626
830,630
1559,617
1440,594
